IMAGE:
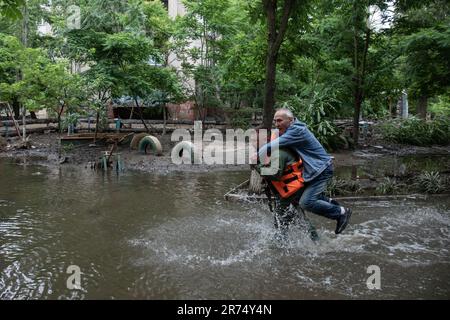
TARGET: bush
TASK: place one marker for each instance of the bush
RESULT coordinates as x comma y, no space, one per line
387,186
67,147
70,119
441,107
431,182
314,106
338,186
418,132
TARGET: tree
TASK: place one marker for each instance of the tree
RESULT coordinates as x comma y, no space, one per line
63,92
200,42
425,41
11,8
24,26
42,83
278,15
352,41
115,43
341,57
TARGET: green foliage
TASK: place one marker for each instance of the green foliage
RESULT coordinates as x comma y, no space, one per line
337,186
314,106
387,186
431,182
66,148
71,119
117,41
417,131
222,45
23,73
428,67
441,106
202,39
11,8
241,118
28,76
158,26
423,39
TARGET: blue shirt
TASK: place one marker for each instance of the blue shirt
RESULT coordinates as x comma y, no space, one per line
305,144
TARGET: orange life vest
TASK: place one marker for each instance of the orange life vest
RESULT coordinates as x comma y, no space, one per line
292,179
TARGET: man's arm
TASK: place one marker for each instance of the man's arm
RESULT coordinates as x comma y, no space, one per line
281,164
292,137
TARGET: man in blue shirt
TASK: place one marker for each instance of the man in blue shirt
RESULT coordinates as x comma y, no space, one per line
286,185
317,170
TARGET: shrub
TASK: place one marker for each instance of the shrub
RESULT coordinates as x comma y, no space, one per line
387,186
314,107
431,182
418,132
338,186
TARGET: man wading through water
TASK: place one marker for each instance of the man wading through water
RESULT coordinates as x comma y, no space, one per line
317,167
286,184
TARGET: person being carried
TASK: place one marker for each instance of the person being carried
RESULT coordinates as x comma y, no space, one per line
286,185
317,167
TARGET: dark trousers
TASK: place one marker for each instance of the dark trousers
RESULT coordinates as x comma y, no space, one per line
313,198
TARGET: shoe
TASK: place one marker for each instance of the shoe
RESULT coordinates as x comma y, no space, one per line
343,221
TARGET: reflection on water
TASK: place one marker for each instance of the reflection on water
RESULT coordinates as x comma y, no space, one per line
149,236
379,167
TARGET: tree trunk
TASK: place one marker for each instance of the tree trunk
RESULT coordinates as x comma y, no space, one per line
165,119
269,90
422,105
359,78
357,112
96,126
131,113
16,108
59,118
141,114
392,108
24,35
59,127
24,127
275,37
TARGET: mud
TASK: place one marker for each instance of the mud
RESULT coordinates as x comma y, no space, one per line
46,150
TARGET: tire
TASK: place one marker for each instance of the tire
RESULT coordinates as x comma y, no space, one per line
134,144
178,153
153,143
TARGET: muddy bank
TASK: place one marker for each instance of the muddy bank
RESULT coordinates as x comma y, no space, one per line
46,149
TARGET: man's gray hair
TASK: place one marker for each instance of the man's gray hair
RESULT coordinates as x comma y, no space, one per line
286,111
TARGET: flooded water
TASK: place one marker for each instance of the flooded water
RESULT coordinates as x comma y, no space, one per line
381,166
149,236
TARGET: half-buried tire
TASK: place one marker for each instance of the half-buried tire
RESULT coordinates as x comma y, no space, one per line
150,143
134,144
183,152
